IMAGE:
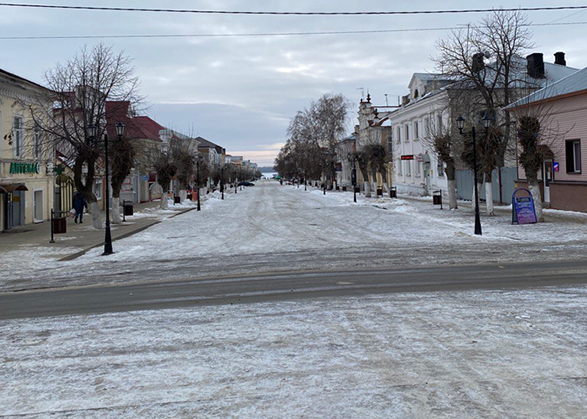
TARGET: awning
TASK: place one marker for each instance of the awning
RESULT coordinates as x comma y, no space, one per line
13,187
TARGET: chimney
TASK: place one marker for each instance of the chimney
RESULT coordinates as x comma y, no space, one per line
478,64
535,65
559,58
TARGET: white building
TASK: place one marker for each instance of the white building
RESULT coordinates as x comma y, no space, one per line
422,114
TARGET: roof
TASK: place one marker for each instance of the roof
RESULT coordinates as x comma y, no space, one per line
572,84
150,127
135,127
13,78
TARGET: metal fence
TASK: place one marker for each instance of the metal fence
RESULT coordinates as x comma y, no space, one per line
508,176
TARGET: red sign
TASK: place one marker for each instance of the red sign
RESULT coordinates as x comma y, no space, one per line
408,157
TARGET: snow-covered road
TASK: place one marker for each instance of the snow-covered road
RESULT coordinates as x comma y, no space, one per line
273,228
475,354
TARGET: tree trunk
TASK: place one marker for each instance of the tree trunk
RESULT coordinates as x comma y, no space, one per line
115,210
535,191
489,198
164,204
479,186
451,176
452,194
367,186
96,218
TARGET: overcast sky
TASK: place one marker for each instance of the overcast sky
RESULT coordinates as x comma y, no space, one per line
241,91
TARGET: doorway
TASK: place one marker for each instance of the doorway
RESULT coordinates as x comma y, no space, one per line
547,177
38,206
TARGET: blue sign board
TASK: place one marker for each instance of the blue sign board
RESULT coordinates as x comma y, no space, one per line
523,207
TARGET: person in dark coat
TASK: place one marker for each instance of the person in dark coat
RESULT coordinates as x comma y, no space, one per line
79,203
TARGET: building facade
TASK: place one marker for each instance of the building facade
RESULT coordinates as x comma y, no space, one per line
26,163
560,108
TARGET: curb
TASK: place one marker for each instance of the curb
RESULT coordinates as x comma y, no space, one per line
123,236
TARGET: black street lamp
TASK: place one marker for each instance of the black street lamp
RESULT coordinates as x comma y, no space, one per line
222,181
235,181
92,133
198,161
460,126
351,158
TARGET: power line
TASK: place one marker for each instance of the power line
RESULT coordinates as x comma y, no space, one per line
275,13
228,35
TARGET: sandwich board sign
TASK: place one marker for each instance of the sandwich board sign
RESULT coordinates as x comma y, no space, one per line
523,207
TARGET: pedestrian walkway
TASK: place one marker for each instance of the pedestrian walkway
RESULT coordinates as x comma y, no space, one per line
79,238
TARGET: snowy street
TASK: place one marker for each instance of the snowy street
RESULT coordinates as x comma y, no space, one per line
270,228
476,354
506,353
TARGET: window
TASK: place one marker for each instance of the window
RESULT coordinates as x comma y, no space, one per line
416,131
426,127
18,136
399,166
399,134
38,143
439,128
407,132
418,170
408,167
389,144
573,156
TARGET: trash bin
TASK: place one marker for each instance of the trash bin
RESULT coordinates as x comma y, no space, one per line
379,192
59,225
393,192
437,198
189,196
176,200
127,208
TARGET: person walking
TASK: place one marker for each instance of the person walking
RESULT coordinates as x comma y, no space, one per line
79,203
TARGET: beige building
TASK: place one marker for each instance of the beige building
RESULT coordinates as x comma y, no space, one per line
26,167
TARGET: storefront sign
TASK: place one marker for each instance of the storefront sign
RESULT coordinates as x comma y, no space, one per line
523,207
23,168
408,157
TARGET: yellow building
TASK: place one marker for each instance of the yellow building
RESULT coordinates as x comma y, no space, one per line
26,165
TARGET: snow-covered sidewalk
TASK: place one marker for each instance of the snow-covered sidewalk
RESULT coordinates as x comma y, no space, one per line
478,354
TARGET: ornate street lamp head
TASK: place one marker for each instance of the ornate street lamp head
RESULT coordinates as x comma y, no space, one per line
460,123
92,131
119,129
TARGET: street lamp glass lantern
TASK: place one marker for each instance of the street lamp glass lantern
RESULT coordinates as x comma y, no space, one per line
486,120
119,129
460,123
92,131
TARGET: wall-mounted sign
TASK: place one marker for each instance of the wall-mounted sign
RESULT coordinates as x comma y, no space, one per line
408,157
555,166
23,168
523,207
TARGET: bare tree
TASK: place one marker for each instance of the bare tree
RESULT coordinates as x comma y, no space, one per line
485,88
122,156
80,88
444,147
532,157
314,134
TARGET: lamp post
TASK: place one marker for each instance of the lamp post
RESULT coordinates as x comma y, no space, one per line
351,158
235,181
92,133
460,126
198,161
222,181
